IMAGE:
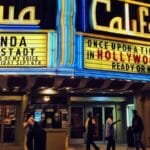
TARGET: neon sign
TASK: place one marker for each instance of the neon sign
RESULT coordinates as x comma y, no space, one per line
23,50
21,17
28,14
110,55
139,26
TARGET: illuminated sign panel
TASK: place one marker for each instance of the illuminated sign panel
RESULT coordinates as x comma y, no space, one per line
29,12
111,55
21,17
23,49
123,17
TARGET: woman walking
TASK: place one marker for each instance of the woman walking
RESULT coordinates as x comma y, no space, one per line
90,128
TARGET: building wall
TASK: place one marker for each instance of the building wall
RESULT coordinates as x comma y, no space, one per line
143,107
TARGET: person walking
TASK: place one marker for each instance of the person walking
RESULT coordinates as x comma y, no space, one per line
137,127
90,128
110,134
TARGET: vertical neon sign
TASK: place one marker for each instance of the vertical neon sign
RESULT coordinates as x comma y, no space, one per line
66,32
52,49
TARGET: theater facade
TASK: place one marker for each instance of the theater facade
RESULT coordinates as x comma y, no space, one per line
74,56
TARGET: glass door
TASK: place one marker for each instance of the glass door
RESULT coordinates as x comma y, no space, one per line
7,123
97,114
129,114
109,111
77,124
100,114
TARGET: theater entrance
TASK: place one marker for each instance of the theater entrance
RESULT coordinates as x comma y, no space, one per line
78,117
77,125
8,122
100,114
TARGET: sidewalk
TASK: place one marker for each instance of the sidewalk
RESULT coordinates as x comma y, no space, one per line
9,147
102,147
72,147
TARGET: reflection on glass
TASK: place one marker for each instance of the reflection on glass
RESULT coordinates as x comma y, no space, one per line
77,122
97,114
7,123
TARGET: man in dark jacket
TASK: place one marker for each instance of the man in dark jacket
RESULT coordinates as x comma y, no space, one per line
138,127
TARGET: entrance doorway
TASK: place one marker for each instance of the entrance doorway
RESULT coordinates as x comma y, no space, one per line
78,117
8,122
100,115
77,124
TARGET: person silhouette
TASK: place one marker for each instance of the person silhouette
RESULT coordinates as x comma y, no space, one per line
109,133
90,128
138,128
35,134
28,126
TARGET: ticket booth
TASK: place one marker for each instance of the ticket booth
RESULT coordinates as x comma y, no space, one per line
52,115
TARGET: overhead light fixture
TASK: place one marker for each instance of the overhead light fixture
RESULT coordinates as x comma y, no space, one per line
128,80
111,90
90,89
112,79
72,77
16,89
48,91
68,88
42,87
46,98
4,89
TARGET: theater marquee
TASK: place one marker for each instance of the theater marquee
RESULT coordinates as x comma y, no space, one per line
32,13
23,49
101,54
118,17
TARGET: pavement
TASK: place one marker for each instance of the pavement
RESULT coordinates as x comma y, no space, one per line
72,147
102,147
9,147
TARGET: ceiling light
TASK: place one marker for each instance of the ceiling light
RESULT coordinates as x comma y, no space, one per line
48,91
111,90
68,88
112,79
4,89
72,77
46,98
16,88
42,87
128,80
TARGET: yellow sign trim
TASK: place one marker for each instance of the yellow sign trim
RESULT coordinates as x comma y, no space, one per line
23,50
110,55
